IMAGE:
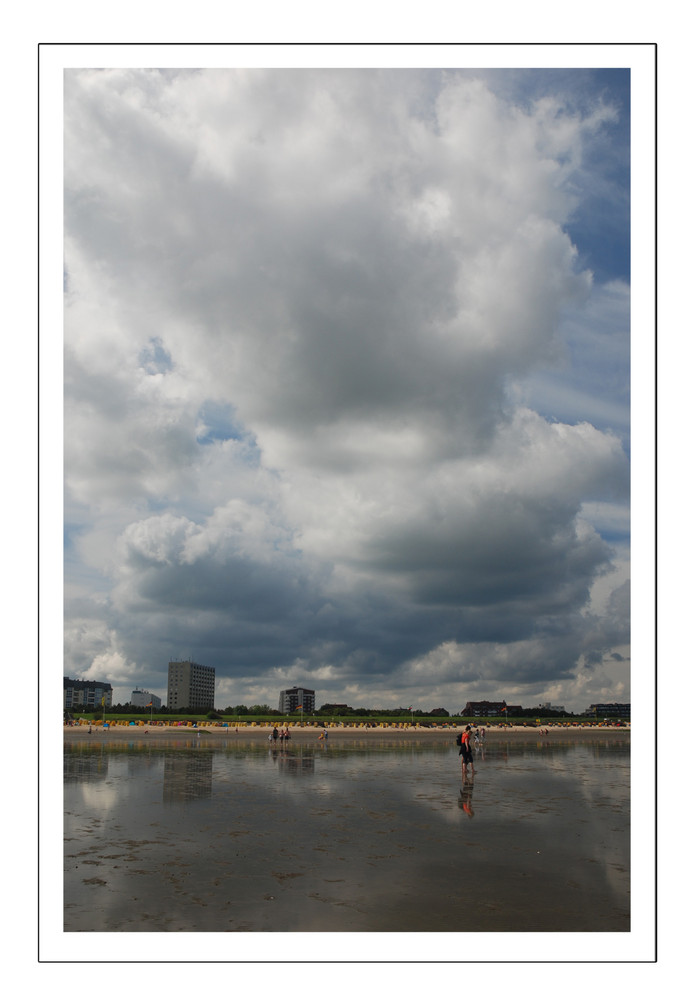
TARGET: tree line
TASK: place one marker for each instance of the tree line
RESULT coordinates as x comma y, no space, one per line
331,709
326,709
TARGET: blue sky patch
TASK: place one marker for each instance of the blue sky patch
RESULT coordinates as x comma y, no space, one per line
219,423
155,359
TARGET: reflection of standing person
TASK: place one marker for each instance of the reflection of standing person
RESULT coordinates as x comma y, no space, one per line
465,800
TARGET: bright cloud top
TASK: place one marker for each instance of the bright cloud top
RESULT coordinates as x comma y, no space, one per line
341,399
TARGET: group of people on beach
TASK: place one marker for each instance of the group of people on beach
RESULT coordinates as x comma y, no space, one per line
279,734
284,734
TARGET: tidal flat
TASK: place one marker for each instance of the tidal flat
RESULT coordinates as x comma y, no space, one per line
234,834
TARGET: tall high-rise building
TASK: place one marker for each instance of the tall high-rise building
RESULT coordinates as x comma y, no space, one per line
296,697
190,686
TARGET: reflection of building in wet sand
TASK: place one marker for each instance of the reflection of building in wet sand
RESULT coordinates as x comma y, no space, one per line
84,765
297,762
142,759
187,776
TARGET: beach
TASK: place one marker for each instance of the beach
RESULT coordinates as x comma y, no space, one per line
340,734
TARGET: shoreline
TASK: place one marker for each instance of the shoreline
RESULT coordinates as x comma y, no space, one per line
310,735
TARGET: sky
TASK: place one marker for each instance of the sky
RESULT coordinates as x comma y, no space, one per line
347,383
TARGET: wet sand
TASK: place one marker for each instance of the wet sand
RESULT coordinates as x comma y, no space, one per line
375,830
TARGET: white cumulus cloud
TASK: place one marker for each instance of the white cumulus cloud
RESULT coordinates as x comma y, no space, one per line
342,396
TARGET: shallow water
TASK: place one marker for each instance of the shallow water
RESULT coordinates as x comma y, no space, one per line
364,837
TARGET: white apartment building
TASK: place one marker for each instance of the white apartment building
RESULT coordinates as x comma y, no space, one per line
143,699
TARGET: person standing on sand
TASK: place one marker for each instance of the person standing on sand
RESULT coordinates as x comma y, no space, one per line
465,751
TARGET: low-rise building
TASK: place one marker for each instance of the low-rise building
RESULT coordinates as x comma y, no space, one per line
485,708
610,710
87,695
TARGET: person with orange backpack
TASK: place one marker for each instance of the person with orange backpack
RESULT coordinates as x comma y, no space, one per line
465,751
